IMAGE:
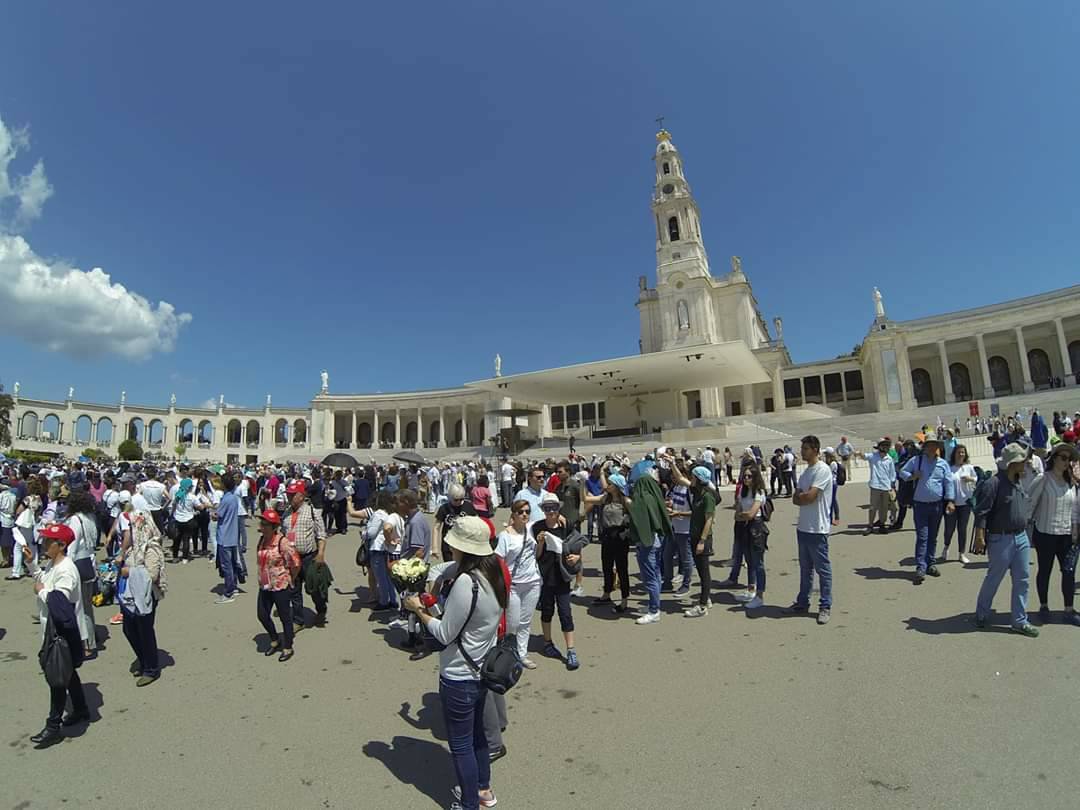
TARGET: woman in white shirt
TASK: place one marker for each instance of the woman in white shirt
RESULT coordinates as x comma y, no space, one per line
964,480
83,524
1053,504
749,531
517,547
378,558
185,505
24,528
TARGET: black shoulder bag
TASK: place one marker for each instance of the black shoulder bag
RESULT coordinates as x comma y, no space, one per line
55,657
501,668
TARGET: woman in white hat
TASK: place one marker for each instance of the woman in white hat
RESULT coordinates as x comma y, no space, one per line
468,629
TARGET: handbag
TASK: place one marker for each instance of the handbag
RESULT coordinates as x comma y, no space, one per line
172,528
501,668
87,571
55,658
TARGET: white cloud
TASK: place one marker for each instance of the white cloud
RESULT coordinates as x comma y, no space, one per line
82,313
211,404
29,191
79,312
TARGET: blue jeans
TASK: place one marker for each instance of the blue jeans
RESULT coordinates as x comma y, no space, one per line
927,522
649,563
1007,552
241,521
463,709
228,561
738,552
678,546
755,568
814,556
387,594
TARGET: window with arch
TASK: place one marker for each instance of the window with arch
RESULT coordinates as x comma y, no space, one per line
1000,378
667,168
673,229
960,379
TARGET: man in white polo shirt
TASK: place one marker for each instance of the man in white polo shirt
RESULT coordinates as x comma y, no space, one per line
813,496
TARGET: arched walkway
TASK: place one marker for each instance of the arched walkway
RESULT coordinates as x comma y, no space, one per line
253,433
233,431
363,434
387,434
1000,378
28,425
50,428
206,432
84,430
922,386
104,432
1039,364
281,432
136,430
156,433
960,379
299,431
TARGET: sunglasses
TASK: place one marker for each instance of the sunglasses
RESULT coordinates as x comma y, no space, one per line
550,508
523,511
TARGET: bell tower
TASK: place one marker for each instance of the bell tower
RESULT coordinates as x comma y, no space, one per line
679,247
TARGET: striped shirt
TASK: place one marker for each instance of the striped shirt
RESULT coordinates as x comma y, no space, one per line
1053,505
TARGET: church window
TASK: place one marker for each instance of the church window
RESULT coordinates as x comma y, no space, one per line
673,229
683,313
667,168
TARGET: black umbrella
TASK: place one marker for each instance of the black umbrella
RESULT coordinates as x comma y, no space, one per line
408,457
340,460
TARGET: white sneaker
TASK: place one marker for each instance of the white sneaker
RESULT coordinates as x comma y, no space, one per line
696,611
745,596
965,559
755,603
649,618
579,591
399,623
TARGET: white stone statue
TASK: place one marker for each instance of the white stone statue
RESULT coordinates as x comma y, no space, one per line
325,381
498,365
736,264
71,392
267,401
221,401
15,390
123,397
778,322
879,308
172,400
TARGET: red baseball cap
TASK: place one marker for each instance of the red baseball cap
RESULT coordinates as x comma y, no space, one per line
58,532
294,487
270,516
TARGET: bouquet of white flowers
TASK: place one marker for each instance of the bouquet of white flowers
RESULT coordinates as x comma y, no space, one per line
409,575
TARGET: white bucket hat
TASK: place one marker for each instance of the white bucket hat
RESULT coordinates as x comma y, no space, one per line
471,535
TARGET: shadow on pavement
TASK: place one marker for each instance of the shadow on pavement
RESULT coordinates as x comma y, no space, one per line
960,623
429,716
877,572
94,702
421,763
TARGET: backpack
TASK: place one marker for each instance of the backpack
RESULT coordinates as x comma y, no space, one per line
767,508
841,475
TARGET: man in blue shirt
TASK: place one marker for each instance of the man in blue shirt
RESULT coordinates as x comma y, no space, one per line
935,492
533,492
228,539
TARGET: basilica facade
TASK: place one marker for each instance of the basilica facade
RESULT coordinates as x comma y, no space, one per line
705,357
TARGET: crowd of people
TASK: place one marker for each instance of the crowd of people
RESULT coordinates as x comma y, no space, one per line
84,532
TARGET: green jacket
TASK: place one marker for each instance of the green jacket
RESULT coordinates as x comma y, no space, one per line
648,512
317,579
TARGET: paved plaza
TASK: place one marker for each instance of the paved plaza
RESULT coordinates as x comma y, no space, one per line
899,702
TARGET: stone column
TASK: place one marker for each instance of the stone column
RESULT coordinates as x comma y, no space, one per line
778,391
378,431
1063,347
988,389
748,399
464,425
903,368
397,428
949,395
442,426
352,436
1029,386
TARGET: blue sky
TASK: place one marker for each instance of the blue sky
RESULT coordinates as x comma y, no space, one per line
396,192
